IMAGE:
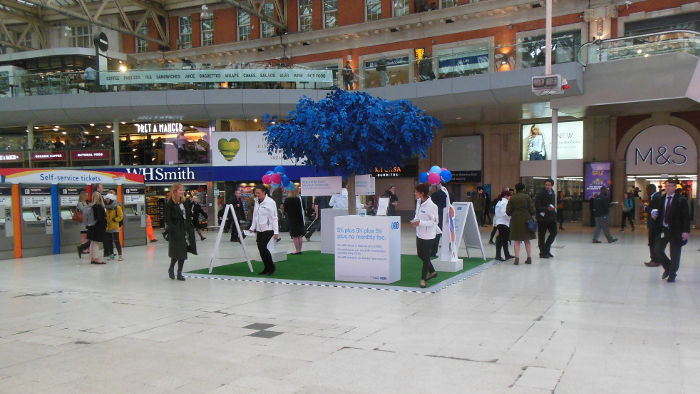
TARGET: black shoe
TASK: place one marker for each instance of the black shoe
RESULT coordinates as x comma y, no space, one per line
528,261
272,271
508,257
263,272
155,240
171,274
544,256
202,238
491,242
671,278
499,258
665,274
550,255
180,277
80,253
612,240
595,241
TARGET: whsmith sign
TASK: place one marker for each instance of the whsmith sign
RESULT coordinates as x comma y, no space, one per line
215,76
662,149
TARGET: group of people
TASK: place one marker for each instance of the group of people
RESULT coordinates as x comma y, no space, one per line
102,217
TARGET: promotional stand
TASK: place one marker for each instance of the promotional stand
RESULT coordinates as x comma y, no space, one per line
328,216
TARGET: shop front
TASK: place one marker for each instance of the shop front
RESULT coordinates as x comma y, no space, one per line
165,143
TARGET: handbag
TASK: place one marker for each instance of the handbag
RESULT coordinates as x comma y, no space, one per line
532,225
78,216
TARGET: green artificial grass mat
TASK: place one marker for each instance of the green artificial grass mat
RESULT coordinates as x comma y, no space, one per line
318,267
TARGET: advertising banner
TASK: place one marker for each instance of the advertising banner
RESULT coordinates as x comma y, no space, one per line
102,154
51,176
537,141
462,154
244,148
367,249
215,76
595,176
321,186
663,149
49,156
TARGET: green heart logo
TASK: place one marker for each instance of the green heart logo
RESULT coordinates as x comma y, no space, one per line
229,148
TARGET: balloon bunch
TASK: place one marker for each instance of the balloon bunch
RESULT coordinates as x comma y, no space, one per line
277,177
435,175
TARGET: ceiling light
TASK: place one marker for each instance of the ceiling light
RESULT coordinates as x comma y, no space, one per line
122,122
92,124
86,132
255,120
56,127
109,126
36,127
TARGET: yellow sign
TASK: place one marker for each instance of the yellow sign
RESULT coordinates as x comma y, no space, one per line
420,53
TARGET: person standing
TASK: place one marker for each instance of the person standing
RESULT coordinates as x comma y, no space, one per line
181,240
265,225
651,229
479,203
115,215
628,212
425,223
601,206
98,231
546,219
487,209
390,193
672,224
502,222
348,76
240,215
83,207
560,209
294,209
197,212
520,208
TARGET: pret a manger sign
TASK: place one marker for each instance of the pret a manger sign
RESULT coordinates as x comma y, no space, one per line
663,149
148,128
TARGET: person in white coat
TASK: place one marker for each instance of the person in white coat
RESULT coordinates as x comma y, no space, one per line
265,225
502,222
426,224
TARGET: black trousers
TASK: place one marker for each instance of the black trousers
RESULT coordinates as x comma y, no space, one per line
542,228
112,241
652,241
436,244
560,218
493,232
423,249
262,239
502,240
670,264
628,216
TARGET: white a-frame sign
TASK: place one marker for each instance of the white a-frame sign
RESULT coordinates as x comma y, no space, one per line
229,208
467,227
448,260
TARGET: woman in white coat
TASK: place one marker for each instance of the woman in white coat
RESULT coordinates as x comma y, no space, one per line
426,224
502,222
265,225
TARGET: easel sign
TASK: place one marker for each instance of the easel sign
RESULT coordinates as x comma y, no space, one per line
467,227
229,208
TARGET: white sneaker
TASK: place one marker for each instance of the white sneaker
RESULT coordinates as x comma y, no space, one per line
121,258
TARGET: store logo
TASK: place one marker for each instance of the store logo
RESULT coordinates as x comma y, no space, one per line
394,225
662,156
147,128
152,174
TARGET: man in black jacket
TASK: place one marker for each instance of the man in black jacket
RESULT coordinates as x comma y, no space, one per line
672,225
440,199
601,207
546,218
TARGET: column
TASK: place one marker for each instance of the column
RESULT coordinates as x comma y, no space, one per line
115,136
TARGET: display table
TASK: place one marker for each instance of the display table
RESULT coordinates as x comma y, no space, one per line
367,248
327,231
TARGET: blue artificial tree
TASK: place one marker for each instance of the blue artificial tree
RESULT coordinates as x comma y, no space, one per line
350,133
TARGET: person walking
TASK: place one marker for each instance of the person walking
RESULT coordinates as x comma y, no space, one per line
520,208
628,212
294,209
197,213
115,216
546,219
651,229
601,206
240,216
265,225
390,193
672,223
426,224
181,240
560,209
502,222
98,231
84,208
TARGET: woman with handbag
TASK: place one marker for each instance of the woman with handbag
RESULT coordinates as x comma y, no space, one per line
520,208
181,240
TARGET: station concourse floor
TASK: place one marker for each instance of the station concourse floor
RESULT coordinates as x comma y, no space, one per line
591,320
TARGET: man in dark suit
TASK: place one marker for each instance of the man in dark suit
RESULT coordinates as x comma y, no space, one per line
651,231
546,218
672,224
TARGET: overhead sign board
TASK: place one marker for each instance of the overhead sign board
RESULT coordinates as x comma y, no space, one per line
215,76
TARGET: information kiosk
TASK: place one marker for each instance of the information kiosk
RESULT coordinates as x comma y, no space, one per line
37,221
70,230
7,238
134,204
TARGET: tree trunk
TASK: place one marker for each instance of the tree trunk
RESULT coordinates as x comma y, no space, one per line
352,208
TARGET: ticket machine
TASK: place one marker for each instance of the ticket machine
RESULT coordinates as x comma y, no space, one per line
70,230
6,225
134,215
37,222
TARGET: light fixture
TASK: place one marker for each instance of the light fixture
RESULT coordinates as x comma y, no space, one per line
122,122
56,127
122,68
273,122
86,132
36,127
255,120
97,136
109,126
92,125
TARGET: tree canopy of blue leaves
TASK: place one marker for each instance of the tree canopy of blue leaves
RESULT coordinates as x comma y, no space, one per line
352,132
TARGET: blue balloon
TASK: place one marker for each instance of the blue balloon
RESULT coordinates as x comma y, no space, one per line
279,169
269,173
423,177
290,186
435,169
285,179
446,175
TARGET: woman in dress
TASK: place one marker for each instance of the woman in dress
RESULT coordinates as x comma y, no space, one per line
502,222
294,210
265,225
520,208
98,231
536,149
426,224
181,240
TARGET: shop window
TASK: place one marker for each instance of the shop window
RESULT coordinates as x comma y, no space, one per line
164,143
185,32
397,72
373,10
463,61
267,29
399,7
565,45
142,44
243,26
12,145
80,36
208,30
72,145
330,13
448,3
305,15
688,21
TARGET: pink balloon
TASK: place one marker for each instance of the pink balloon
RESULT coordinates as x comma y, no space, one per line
434,178
266,179
277,178
443,168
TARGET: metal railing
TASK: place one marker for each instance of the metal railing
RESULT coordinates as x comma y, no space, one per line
645,45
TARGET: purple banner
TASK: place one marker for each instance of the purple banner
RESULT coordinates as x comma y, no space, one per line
596,175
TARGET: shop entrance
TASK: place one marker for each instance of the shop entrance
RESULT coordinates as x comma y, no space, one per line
157,195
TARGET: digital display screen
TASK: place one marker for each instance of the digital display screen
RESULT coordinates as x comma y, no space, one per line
537,141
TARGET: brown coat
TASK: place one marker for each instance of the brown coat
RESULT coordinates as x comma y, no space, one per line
520,208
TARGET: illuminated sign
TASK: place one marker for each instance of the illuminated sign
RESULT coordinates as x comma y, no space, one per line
537,141
420,53
149,128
